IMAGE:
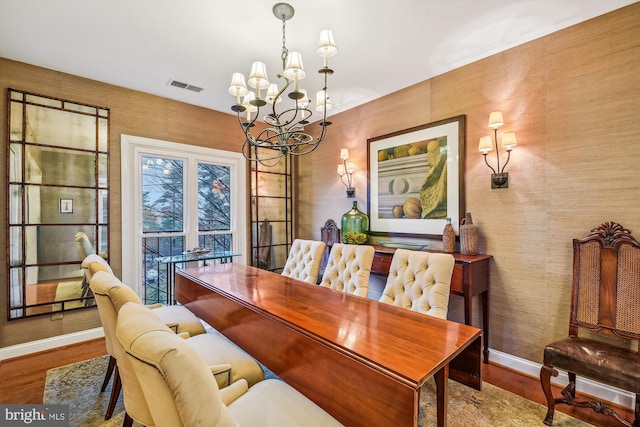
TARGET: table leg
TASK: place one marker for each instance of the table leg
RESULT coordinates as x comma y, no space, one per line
171,271
468,309
485,324
442,395
468,317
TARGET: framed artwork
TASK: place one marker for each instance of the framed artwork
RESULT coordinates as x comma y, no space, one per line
416,179
66,206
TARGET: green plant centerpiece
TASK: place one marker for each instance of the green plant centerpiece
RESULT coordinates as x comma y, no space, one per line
354,238
355,226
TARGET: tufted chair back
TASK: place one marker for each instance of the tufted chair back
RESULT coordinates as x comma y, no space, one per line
111,295
304,258
84,244
174,379
349,268
100,264
419,281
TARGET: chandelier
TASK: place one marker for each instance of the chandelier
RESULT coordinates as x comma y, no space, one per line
285,134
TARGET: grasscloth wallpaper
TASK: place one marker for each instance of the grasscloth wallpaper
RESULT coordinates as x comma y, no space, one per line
132,113
572,97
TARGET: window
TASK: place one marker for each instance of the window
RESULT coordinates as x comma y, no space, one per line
177,197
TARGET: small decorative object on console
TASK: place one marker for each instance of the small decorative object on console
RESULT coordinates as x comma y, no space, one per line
197,251
448,238
355,226
468,236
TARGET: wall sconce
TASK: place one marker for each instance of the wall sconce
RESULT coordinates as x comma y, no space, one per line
499,178
347,168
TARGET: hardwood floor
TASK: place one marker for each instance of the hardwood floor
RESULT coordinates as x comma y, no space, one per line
23,377
23,380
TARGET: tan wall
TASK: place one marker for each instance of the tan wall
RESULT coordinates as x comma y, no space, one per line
573,98
132,113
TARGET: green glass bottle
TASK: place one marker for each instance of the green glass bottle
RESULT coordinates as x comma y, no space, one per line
355,226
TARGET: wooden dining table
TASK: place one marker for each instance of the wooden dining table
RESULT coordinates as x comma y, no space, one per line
362,361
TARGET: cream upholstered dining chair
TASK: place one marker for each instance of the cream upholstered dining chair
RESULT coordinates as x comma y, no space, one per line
419,281
304,258
181,392
84,244
177,317
348,268
232,362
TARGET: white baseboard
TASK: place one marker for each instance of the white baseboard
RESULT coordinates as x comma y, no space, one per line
584,385
49,343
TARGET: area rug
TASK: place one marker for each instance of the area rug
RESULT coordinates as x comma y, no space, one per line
79,384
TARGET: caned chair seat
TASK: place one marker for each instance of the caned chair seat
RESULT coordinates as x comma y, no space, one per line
303,262
349,268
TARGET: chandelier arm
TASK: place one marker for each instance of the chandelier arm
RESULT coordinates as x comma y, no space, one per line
326,98
485,160
251,153
246,126
273,105
245,129
302,153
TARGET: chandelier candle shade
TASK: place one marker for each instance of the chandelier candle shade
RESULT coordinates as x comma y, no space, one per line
285,134
499,178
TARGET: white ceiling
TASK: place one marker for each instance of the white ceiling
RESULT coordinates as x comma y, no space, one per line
385,45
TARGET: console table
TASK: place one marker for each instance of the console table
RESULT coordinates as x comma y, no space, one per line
470,278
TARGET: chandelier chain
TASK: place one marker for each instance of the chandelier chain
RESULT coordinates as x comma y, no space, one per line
285,51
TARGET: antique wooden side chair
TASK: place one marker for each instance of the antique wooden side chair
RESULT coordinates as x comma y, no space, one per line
329,234
605,300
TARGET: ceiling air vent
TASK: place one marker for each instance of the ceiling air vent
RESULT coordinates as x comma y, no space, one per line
186,86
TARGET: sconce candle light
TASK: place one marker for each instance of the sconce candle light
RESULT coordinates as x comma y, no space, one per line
499,178
347,168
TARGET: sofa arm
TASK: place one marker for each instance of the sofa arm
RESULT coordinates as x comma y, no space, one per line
234,391
222,374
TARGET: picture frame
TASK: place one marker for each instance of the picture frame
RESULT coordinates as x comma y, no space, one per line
416,179
66,206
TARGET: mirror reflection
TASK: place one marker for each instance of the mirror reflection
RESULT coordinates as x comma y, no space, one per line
58,201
